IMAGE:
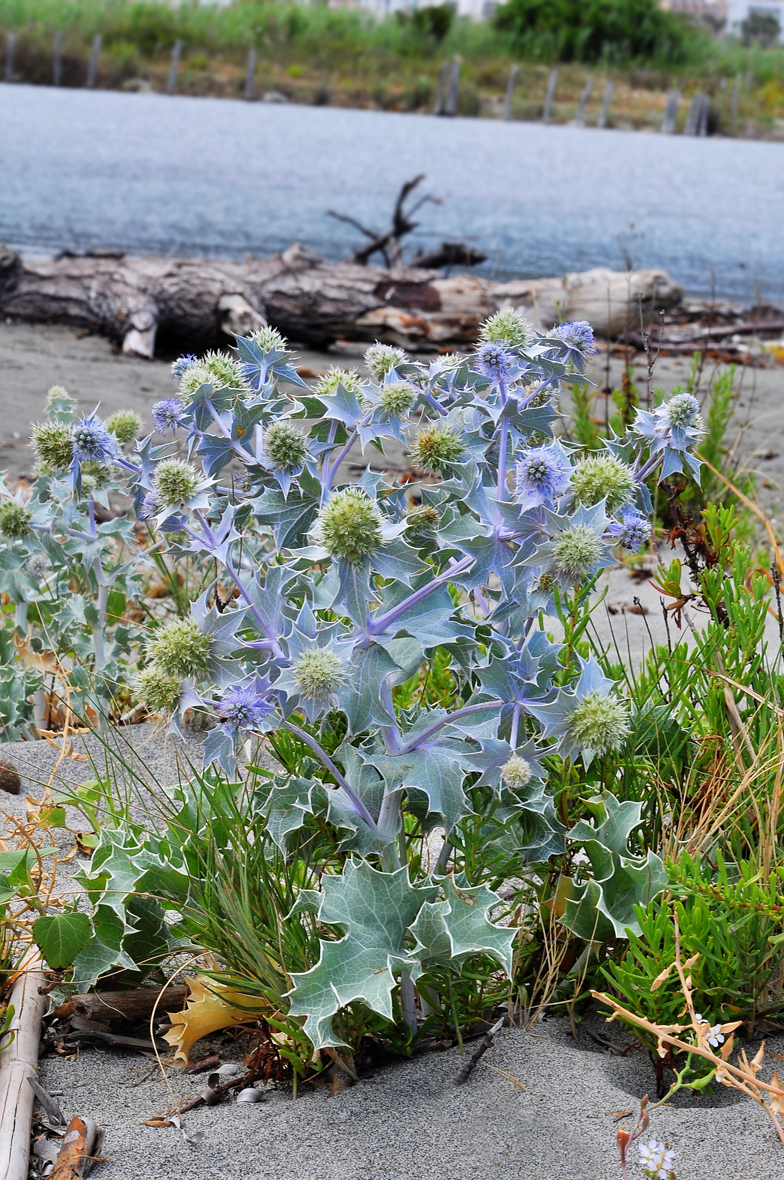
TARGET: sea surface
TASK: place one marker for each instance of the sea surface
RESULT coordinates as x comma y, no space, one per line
190,176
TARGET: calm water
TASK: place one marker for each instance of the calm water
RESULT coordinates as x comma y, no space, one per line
148,173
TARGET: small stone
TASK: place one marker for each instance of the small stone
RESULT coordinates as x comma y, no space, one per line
10,779
250,1094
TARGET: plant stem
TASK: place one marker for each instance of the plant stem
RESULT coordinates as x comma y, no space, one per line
356,803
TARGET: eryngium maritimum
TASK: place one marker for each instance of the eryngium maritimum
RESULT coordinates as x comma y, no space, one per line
180,648
436,448
603,477
318,674
285,446
349,526
175,481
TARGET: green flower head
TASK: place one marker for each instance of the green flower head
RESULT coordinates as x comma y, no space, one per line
175,481
397,398
268,339
436,448
180,649
60,404
600,476
349,526
53,444
285,446
124,425
380,358
14,520
318,674
599,723
348,378
507,327
422,520
577,551
158,691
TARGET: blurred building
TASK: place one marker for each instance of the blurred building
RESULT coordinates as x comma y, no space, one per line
476,9
728,15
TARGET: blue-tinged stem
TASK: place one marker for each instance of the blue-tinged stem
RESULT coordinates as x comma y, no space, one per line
515,726
377,624
466,711
356,803
649,467
502,447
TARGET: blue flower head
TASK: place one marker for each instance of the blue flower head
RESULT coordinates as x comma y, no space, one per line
671,430
494,361
92,441
541,474
167,414
182,364
578,336
243,707
632,530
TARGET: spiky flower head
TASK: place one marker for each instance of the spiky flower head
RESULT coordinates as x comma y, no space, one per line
91,440
180,648
397,397
223,371
681,412
14,520
182,364
436,448
243,707
38,566
175,481
124,425
494,361
657,1160
578,335
349,526
167,414
632,530
157,690
268,338
576,553
541,474
424,519
348,378
285,446
599,723
381,358
318,674
60,404
53,444
600,477
192,380
516,773
150,506
507,327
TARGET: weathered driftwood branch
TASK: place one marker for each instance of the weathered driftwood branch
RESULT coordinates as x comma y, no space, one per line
18,1062
198,302
134,1004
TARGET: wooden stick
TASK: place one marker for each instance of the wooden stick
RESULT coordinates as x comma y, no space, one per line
18,1062
135,1004
473,1061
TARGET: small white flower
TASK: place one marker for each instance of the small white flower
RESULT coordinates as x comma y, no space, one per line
714,1036
657,1159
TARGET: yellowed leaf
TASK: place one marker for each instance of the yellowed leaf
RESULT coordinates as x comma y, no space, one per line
661,977
777,1097
211,1006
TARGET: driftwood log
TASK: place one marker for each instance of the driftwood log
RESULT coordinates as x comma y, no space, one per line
18,1062
199,302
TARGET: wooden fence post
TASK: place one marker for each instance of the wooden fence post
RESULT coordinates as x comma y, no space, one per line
513,72
695,113
92,73
605,111
175,65
454,82
579,118
250,77
10,45
57,59
547,114
671,112
438,109
734,100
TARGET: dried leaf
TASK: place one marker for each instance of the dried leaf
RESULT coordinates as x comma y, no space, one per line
157,1122
661,977
777,1098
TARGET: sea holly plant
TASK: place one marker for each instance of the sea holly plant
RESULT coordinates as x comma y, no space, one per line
327,600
